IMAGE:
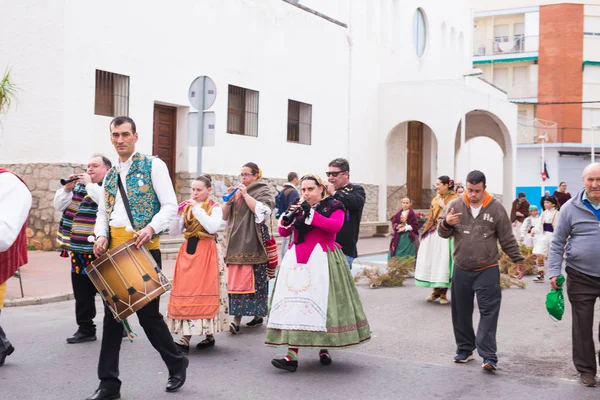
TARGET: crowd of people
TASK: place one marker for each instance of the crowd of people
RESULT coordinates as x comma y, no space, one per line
314,303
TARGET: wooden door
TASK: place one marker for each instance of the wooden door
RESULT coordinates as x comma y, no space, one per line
165,132
414,167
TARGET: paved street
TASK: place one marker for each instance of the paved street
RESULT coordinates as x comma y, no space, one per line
409,357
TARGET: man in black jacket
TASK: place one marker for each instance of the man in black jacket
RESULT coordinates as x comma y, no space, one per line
353,198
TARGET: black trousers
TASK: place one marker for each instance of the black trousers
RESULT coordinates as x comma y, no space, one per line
583,290
156,330
486,286
85,303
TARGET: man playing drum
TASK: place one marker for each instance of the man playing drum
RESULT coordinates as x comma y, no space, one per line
78,200
152,204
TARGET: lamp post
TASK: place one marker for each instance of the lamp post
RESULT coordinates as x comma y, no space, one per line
543,138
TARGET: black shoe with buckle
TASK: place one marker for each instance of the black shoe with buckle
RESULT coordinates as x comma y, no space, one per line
282,363
104,394
206,343
5,354
255,322
176,381
79,337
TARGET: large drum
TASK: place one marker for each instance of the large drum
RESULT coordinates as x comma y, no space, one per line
127,278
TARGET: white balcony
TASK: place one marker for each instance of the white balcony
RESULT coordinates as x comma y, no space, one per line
504,45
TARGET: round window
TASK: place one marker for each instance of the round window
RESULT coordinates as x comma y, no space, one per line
419,31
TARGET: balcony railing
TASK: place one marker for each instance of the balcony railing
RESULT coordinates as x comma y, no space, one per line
505,45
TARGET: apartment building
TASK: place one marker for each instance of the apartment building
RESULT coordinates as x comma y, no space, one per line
546,57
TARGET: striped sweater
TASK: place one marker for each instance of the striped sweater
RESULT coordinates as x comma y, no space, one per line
83,226
63,235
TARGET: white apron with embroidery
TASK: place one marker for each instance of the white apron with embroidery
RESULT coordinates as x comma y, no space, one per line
301,293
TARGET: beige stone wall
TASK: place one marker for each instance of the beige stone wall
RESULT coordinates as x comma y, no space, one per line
43,181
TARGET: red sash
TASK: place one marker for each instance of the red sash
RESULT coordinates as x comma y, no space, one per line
16,255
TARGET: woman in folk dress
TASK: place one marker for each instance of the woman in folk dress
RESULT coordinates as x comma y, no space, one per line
543,233
198,304
315,303
406,232
434,261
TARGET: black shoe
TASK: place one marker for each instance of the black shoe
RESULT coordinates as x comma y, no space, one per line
184,349
205,343
233,328
104,394
255,322
325,358
464,357
282,363
5,354
177,380
79,337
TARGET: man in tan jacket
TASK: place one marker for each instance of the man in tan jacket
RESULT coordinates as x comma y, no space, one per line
477,222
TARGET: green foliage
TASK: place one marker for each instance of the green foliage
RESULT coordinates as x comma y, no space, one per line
8,92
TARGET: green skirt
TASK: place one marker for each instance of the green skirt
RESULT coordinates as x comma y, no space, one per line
405,247
347,323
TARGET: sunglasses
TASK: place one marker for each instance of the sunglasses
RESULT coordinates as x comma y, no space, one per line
334,174
246,175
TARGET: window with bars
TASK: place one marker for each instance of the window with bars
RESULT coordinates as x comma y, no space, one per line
242,111
112,94
299,122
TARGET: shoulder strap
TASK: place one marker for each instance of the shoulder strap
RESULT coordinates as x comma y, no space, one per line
125,200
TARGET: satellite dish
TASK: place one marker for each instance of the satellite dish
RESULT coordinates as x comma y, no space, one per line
202,93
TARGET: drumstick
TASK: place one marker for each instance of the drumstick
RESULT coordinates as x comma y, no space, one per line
135,233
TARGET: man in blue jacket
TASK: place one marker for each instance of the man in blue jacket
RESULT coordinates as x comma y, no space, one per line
577,234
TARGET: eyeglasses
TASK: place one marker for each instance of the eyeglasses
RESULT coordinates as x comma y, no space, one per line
334,174
246,175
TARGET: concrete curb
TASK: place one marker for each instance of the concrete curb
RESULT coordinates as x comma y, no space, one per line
35,301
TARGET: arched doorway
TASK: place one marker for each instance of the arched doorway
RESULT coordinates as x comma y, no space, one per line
411,164
480,123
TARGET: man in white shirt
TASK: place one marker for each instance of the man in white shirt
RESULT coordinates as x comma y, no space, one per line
78,200
151,204
15,202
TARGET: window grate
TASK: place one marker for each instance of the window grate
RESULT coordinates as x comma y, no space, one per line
299,122
112,94
242,111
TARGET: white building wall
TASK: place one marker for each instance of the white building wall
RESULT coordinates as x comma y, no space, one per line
253,44
35,57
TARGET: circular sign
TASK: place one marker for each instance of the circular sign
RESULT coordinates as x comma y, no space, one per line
202,93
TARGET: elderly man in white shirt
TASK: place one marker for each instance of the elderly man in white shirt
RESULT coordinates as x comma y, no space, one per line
147,209
15,202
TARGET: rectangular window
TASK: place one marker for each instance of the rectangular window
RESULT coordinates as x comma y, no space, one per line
299,122
242,111
112,94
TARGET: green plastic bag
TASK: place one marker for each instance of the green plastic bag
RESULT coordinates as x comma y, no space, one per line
555,301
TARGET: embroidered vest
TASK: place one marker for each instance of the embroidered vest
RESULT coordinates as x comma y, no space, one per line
83,226
193,227
140,192
16,255
63,235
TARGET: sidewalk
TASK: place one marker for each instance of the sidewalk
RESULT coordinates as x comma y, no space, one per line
47,276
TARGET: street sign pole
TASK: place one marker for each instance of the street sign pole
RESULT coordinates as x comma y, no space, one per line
200,127
202,94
